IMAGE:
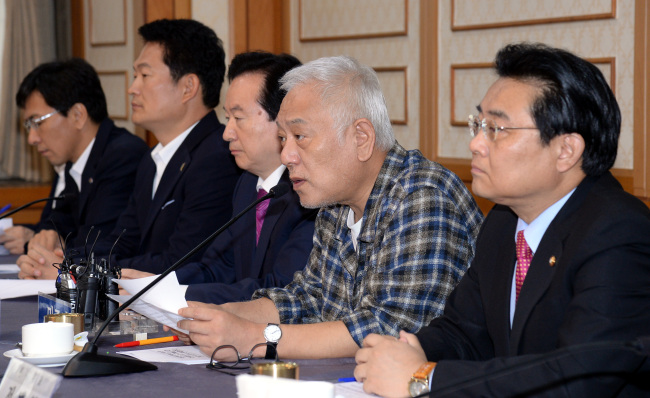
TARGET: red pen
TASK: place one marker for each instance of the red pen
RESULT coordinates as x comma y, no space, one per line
136,343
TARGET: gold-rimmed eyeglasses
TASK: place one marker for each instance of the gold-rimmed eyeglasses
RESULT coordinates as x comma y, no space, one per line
239,362
489,127
32,123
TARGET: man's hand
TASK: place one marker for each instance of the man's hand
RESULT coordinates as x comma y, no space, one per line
37,263
211,327
47,238
385,364
130,273
14,239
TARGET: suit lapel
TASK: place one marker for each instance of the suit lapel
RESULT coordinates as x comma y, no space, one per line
96,153
273,214
176,167
546,261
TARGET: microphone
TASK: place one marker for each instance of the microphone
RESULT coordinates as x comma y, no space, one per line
90,363
565,364
66,197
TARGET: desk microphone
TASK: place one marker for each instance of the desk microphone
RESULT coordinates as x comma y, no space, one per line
566,364
90,363
67,197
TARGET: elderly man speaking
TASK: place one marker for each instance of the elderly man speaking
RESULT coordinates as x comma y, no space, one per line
393,237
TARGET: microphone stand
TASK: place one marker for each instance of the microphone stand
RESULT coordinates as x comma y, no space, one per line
91,363
17,209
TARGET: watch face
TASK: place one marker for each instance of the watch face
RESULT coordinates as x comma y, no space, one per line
272,333
417,387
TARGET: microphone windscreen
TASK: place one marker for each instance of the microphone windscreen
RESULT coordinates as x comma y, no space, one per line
281,189
68,198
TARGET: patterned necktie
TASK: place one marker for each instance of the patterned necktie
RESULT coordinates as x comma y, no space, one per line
524,256
260,213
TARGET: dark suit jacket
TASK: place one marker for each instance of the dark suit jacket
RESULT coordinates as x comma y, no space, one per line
106,184
233,267
192,200
598,289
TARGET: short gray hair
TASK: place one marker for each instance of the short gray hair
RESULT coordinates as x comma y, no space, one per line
350,91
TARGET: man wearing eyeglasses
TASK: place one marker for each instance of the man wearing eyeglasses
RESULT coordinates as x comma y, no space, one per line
394,234
562,259
67,122
183,188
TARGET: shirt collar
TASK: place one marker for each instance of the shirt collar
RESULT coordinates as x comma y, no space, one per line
163,154
534,231
272,180
78,167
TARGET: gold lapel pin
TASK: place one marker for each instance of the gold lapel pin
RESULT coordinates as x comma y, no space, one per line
182,166
90,180
551,261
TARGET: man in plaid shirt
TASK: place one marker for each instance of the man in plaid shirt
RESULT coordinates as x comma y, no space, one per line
394,235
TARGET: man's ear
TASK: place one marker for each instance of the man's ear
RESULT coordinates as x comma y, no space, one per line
79,115
572,146
364,138
191,86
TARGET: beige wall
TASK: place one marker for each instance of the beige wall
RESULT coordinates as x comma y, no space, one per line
349,26
385,34
609,41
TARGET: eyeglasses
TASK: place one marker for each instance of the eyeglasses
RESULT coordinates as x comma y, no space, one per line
239,363
489,127
32,123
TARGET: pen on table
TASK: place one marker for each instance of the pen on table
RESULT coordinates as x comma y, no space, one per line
5,208
148,341
346,379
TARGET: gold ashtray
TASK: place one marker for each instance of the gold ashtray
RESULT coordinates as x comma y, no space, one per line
287,370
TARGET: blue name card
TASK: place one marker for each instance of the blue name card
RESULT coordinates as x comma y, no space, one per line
51,305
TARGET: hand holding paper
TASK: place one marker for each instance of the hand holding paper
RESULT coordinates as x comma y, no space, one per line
161,303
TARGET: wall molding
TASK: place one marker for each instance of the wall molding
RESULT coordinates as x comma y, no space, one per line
403,70
611,14
304,37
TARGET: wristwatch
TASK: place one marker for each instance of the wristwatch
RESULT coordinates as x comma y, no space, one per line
419,383
272,335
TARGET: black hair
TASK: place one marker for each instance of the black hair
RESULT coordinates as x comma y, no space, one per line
273,67
63,84
190,47
574,98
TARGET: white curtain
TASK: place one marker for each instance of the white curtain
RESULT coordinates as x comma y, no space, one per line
29,41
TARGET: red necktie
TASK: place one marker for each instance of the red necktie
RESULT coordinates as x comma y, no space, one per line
260,213
524,256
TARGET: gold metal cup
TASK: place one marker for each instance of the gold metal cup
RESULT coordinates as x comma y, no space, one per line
287,370
76,319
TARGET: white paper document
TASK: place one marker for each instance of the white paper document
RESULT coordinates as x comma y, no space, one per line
9,269
10,288
161,303
187,354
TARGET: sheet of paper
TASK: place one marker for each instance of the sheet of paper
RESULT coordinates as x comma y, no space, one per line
9,269
10,288
158,314
186,354
161,303
350,390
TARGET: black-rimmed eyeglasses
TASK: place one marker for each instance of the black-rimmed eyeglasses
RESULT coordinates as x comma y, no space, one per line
489,127
239,362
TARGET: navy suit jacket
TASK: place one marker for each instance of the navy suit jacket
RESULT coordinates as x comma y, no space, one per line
233,267
106,184
589,280
192,200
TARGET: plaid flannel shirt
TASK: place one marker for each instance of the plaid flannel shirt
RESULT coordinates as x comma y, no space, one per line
416,241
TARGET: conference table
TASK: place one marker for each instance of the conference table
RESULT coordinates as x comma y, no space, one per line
170,380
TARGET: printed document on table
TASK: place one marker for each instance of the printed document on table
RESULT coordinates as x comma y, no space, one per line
161,303
9,269
186,354
11,288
